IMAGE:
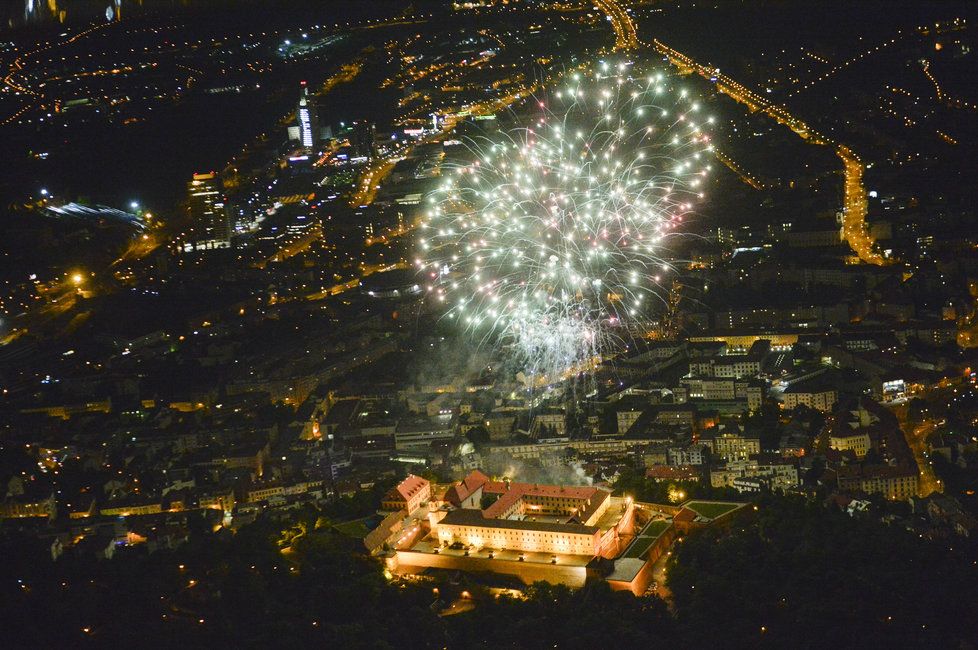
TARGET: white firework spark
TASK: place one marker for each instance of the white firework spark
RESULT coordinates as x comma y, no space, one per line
552,237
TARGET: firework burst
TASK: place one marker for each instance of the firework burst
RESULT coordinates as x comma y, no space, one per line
551,240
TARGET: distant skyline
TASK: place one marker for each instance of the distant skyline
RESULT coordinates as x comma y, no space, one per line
16,14
43,12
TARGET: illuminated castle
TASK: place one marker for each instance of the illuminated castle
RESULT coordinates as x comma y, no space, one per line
557,533
522,516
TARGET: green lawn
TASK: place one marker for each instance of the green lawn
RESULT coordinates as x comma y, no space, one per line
711,509
639,546
646,538
356,528
655,528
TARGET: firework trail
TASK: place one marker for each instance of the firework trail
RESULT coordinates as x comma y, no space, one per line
550,241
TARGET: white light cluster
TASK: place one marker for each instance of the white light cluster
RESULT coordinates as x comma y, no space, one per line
552,236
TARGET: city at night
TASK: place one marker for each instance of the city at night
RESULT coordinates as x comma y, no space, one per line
489,324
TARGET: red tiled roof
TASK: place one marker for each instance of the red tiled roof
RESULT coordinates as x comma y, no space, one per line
474,480
511,492
461,491
539,490
406,489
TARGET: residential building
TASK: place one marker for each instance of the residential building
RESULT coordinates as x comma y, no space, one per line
810,394
893,482
218,500
35,503
779,476
731,445
408,495
661,473
691,455
856,441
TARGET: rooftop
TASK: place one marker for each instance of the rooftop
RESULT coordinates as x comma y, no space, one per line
512,492
464,488
406,489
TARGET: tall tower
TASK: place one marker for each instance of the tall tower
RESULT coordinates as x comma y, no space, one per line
210,226
308,120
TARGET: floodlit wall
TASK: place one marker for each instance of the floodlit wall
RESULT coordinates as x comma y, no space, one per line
528,572
518,539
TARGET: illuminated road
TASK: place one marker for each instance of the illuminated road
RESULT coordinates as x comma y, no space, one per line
855,204
626,37
925,65
370,180
145,243
389,236
59,297
374,174
19,64
845,64
917,439
737,169
659,577
917,435
366,270
458,606
293,248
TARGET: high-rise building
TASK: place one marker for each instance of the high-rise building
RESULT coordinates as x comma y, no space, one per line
308,120
363,140
210,225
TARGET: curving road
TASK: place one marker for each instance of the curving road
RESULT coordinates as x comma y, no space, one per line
626,38
855,204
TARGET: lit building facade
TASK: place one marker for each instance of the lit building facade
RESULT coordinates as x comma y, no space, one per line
470,528
820,400
733,446
527,517
857,442
408,495
16,507
895,483
210,225
308,121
